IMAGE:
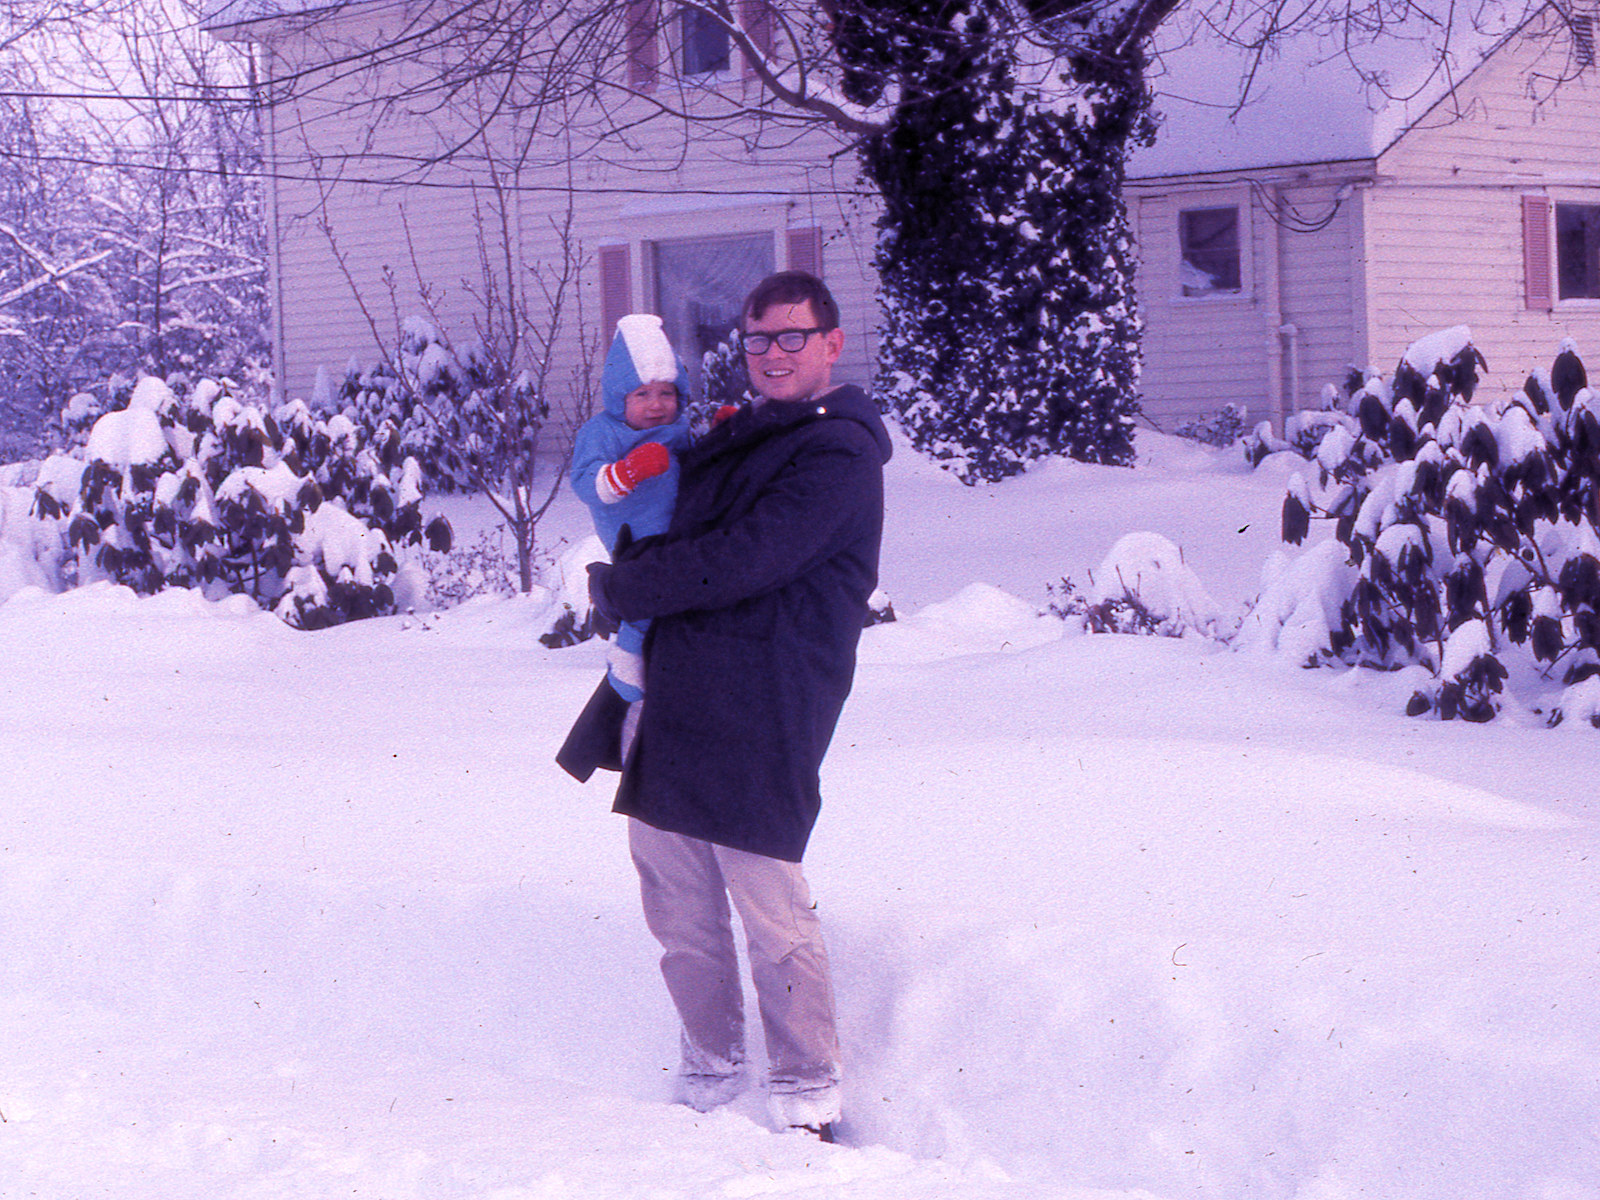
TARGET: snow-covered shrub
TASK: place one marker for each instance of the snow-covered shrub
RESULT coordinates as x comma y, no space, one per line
1010,328
569,629
723,381
1300,605
880,609
214,492
456,409
568,580
463,572
1116,614
29,550
1305,431
1221,428
373,397
1143,587
1469,532
72,425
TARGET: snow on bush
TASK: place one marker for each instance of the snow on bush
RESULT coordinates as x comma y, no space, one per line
216,493
1143,586
28,550
1465,535
568,577
460,573
1300,604
455,410
1005,261
723,381
1221,428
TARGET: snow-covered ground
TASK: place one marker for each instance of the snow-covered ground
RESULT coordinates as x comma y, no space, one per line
315,915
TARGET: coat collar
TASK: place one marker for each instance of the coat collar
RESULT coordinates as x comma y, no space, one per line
755,421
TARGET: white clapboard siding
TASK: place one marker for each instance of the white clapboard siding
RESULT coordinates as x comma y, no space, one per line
1201,353
380,234
1446,235
1321,275
398,241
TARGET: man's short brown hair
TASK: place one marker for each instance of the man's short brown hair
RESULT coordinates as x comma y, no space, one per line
793,287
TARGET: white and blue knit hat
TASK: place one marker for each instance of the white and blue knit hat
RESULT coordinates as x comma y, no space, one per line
640,353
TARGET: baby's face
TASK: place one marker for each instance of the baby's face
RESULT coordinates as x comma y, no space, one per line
650,405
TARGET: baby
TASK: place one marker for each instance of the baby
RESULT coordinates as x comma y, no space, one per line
623,466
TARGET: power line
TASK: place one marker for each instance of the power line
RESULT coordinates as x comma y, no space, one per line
264,174
137,97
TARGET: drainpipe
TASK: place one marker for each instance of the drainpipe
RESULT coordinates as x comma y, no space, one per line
259,75
1289,334
1272,287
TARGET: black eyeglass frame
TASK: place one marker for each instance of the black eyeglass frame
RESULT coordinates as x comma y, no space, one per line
767,339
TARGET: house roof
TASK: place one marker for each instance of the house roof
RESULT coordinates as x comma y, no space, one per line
1317,96
1336,94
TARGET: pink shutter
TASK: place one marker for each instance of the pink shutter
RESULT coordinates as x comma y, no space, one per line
1538,285
755,16
616,290
805,251
644,55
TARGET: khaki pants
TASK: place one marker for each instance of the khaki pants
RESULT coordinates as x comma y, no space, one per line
686,885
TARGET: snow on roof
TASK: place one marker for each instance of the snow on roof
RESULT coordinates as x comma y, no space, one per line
1317,96
1338,92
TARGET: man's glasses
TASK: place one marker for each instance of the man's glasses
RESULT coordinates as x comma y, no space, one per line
791,341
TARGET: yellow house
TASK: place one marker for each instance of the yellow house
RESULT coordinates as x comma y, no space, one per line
1325,225
1332,221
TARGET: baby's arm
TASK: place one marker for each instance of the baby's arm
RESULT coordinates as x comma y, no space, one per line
618,479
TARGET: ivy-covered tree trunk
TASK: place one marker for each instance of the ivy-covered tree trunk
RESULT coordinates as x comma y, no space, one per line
1011,331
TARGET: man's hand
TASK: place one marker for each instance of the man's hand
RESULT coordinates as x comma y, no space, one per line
598,599
643,462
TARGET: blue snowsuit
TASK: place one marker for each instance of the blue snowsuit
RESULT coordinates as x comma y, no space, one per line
606,437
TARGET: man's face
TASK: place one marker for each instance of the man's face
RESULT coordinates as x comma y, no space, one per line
780,374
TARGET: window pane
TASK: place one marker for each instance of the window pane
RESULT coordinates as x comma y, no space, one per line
1209,240
701,284
1578,251
705,43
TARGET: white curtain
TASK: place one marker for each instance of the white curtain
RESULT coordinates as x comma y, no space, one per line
701,284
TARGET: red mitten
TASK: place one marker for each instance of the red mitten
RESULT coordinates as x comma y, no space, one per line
723,413
643,462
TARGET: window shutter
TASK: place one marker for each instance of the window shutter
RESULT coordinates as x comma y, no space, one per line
805,251
643,49
616,290
1536,272
755,16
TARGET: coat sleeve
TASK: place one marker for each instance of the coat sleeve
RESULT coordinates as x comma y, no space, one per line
591,450
812,508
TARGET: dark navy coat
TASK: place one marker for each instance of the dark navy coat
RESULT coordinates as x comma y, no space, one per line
758,592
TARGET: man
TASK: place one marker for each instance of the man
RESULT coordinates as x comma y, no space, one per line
758,594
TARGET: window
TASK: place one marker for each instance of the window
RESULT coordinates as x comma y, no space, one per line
1578,251
1208,245
706,44
701,284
